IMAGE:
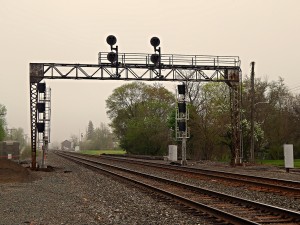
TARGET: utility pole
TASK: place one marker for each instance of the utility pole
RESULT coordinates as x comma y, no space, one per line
252,158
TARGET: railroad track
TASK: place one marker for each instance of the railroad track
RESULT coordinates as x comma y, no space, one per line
281,187
223,209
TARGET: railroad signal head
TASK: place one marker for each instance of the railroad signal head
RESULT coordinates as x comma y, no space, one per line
182,126
182,107
112,57
40,127
41,87
155,58
41,107
155,42
111,40
181,89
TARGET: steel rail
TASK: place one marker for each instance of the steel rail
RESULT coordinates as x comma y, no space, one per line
220,214
285,214
280,184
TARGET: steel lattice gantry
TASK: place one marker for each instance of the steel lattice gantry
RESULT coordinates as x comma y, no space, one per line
138,66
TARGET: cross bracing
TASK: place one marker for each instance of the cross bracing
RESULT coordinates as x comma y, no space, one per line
137,67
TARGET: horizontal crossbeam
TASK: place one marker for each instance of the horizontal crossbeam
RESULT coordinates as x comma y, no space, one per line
134,66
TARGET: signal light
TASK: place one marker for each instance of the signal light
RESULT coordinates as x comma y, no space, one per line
155,41
182,107
40,107
112,57
40,127
111,40
181,126
41,87
155,58
181,89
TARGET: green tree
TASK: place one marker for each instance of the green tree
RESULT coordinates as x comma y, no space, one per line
74,140
276,112
103,138
18,135
2,122
280,123
139,114
209,120
261,110
90,131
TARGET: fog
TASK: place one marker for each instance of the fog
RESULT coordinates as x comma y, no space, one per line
266,32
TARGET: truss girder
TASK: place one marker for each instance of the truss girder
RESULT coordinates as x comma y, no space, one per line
132,72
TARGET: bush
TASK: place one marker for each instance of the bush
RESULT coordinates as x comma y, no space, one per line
26,152
297,151
276,152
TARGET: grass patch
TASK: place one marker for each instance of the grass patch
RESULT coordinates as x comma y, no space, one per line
99,152
26,153
279,162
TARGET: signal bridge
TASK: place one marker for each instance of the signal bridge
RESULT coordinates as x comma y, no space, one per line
144,67
137,66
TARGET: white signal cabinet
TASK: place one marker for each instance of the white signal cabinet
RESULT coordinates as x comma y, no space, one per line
288,156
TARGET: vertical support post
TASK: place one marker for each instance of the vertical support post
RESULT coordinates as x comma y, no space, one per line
235,123
252,156
184,161
117,62
33,121
181,121
183,149
159,62
44,133
36,74
44,150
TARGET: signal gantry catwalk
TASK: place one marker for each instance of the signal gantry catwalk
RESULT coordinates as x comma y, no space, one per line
137,66
145,67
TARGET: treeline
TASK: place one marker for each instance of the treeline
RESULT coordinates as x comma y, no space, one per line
3,131
12,134
142,117
96,138
276,116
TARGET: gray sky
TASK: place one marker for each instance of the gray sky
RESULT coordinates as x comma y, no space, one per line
59,31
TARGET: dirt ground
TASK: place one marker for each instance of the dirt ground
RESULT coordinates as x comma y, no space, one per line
11,172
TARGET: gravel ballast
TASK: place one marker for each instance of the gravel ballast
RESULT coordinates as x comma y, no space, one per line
72,194
242,192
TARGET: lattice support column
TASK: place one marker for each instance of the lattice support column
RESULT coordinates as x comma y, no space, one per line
33,112
36,73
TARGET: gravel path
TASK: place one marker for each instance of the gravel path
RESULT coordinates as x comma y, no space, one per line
75,195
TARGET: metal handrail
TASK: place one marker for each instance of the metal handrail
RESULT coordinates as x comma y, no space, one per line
174,59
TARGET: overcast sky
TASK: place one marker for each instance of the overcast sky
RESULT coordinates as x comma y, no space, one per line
59,31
